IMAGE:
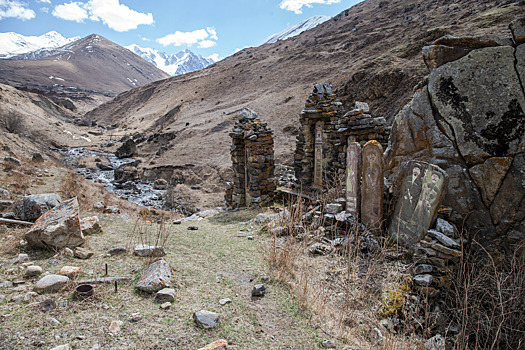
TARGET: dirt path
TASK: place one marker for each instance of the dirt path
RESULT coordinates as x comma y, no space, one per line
214,262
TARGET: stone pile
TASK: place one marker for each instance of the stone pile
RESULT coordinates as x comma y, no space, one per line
253,162
324,114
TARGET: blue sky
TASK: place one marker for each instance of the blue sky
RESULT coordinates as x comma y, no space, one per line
207,27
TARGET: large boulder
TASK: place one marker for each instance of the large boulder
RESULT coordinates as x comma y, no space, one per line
127,149
31,207
471,123
125,173
155,277
58,228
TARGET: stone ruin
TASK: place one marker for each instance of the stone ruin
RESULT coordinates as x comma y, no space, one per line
325,129
253,162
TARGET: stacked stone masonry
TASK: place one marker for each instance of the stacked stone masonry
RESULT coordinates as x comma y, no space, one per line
322,107
253,162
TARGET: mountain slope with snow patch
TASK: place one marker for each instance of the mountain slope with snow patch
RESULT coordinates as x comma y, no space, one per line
295,29
12,44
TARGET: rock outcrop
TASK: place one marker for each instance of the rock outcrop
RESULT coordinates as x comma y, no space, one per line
470,121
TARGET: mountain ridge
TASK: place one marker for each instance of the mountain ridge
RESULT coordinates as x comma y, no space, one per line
295,29
12,44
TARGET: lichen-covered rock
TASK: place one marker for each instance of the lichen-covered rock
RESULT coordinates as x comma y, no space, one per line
31,207
149,250
58,228
165,295
518,30
90,225
220,344
155,277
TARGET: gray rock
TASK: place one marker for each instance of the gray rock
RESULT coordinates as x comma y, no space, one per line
58,228
328,344
362,106
165,295
116,251
31,207
12,161
155,277
126,150
165,306
37,157
423,269
50,283
99,206
160,184
225,301
20,259
82,253
333,208
259,290
437,342
437,55
444,239
423,280
125,173
489,175
147,250
473,42
518,30
33,270
320,249
90,225
206,319
445,227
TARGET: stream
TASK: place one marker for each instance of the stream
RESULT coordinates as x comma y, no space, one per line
141,192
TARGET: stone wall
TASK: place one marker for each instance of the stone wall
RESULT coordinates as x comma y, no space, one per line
322,108
253,162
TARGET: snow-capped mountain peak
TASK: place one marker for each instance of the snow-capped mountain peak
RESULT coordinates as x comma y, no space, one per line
12,44
184,61
295,29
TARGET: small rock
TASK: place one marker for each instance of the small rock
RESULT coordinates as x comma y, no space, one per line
70,271
444,239
47,305
50,283
206,319
329,344
333,208
135,317
12,161
165,305
54,321
111,210
423,280
250,238
165,295
114,326
62,347
83,253
320,249
225,301
220,344
20,259
435,343
98,206
258,290
147,250
33,270
68,252
90,225
160,184
6,284
193,228
445,227
116,251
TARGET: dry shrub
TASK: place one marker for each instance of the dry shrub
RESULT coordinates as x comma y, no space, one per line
488,300
150,229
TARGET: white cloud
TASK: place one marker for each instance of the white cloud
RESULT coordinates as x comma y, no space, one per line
117,16
15,9
73,11
44,1
214,57
204,38
44,9
205,44
112,13
296,5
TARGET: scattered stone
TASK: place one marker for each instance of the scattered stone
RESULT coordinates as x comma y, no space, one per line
135,317
20,259
114,326
155,277
333,208
144,250
160,184
216,345
165,295
37,157
31,207
50,283
111,210
47,305
68,252
70,271
98,206
423,280
328,344
33,271
116,251
250,238
258,290
83,253
165,306
193,228
206,319
58,228
12,161
54,322
6,284
225,301
62,347
320,249
4,194
437,342
90,225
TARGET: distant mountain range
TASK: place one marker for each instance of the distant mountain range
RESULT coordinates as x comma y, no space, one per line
12,44
182,62
295,29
